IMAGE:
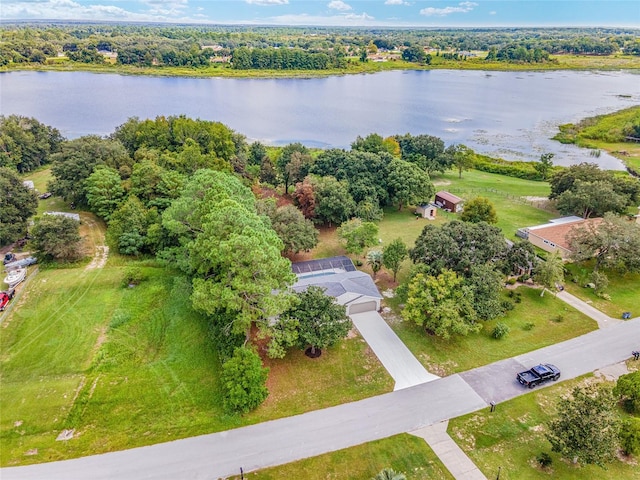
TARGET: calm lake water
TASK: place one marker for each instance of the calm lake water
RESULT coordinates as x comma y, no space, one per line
506,114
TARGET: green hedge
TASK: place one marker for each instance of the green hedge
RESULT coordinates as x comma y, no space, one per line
524,170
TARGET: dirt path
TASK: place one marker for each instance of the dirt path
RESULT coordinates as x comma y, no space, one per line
93,231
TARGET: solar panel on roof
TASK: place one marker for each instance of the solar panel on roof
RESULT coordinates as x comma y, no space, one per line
308,266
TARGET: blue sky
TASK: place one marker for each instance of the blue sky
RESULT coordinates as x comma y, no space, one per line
623,13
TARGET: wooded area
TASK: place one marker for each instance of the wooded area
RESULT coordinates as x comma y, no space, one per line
295,48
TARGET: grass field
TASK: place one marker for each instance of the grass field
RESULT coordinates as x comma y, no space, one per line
512,437
624,290
131,367
606,132
534,323
403,453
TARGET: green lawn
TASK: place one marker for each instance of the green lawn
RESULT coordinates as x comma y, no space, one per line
132,367
513,436
624,290
534,324
403,453
511,197
40,179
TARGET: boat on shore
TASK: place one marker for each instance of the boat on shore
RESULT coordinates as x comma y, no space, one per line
14,277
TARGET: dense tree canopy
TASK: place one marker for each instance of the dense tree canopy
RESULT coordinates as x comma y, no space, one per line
57,237
314,321
442,304
333,202
293,164
77,159
585,430
614,243
296,232
25,143
358,235
426,151
587,191
17,204
408,184
458,246
104,191
232,253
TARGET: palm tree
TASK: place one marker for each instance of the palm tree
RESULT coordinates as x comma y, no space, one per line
374,259
389,474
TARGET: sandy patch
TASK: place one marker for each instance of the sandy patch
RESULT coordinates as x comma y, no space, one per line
612,372
442,182
99,258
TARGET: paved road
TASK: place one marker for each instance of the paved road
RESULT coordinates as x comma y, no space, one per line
282,441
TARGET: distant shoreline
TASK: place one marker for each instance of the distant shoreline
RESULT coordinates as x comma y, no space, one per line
563,62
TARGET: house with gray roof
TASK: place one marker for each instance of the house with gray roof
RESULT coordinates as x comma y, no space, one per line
340,279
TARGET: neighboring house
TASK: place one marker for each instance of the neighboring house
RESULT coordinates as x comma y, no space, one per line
340,279
449,202
427,211
553,236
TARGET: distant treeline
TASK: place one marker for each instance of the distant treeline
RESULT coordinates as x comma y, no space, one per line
286,59
281,47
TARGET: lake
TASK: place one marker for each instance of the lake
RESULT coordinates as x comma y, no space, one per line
507,114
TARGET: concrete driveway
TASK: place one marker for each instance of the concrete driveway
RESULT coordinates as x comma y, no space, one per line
405,369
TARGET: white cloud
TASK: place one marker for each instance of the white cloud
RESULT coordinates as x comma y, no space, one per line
331,20
463,7
159,11
267,3
339,5
396,2
493,12
165,7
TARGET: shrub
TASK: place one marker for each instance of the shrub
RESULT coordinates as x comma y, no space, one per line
243,381
628,389
544,460
528,326
501,330
512,281
358,263
506,305
558,319
630,436
133,276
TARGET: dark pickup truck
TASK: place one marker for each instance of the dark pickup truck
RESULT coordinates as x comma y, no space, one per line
539,374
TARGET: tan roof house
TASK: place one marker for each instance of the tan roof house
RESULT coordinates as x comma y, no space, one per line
553,236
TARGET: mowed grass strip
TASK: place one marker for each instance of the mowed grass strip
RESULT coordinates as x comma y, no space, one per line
513,436
534,323
403,453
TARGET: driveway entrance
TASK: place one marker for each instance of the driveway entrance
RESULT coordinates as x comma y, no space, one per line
405,369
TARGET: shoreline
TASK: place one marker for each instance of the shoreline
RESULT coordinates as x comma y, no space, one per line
619,64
